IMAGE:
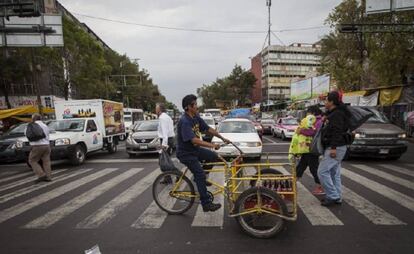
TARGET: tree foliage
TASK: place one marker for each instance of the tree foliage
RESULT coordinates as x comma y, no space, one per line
235,87
82,69
369,60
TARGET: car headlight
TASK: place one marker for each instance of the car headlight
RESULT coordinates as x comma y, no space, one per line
62,141
16,145
253,144
359,135
402,135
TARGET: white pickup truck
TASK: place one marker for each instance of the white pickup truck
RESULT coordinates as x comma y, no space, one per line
84,126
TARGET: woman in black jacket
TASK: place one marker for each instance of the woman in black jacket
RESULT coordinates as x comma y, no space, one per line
334,141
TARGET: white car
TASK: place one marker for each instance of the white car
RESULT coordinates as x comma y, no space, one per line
212,124
243,134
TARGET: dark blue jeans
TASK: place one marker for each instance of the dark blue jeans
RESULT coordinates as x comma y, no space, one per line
193,163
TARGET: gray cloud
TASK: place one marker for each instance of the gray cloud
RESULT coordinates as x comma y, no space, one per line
179,61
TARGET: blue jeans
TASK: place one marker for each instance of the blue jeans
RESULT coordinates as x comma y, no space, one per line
329,173
193,163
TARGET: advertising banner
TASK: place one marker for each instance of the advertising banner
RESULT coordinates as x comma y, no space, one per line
301,90
113,117
320,85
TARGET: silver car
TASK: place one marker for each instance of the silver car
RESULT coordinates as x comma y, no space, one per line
143,138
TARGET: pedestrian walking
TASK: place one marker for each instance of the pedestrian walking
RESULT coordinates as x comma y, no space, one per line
311,160
38,135
165,129
334,140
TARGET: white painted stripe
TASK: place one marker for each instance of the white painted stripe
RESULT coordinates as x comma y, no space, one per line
16,176
398,169
372,212
211,219
311,206
153,216
268,139
72,205
274,157
386,176
7,173
108,211
385,191
26,180
43,198
125,160
35,187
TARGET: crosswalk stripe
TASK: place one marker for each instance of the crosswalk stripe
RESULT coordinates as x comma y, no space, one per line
26,180
72,205
397,169
372,212
311,206
16,176
385,191
31,188
386,176
7,173
365,207
114,206
215,219
43,198
153,216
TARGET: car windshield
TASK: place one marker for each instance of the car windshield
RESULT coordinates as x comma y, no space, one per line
67,125
18,130
237,127
290,121
378,117
147,126
268,122
127,119
209,121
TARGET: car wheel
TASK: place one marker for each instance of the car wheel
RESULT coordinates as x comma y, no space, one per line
112,147
395,157
78,155
122,137
273,133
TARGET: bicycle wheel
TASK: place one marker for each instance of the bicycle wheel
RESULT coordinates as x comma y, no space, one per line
173,192
260,225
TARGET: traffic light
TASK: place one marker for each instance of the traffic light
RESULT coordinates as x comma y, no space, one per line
20,8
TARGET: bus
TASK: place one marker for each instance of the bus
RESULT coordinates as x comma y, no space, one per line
215,112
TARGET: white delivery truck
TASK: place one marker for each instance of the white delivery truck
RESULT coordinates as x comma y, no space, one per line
84,126
131,116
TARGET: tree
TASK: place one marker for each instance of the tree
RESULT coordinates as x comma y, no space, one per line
235,87
358,60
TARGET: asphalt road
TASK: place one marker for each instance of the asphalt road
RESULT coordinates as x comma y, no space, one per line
108,202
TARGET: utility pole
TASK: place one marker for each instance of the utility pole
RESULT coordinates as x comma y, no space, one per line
269,5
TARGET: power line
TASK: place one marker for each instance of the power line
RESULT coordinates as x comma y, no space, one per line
197,29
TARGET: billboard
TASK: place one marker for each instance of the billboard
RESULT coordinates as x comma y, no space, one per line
320,85
378,6
301,90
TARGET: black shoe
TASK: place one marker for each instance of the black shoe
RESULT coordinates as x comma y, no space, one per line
208,184
47,179
211,207
330,202
40,179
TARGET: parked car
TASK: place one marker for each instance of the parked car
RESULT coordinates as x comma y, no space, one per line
285,127
143,138
267,125
212,124
11,144
378,137
243,133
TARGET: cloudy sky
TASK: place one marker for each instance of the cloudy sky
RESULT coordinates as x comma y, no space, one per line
181,61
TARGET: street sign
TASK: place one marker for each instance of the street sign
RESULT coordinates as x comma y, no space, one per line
379,6
45,30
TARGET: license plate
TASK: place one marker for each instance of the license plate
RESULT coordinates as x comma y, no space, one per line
143,147
384,151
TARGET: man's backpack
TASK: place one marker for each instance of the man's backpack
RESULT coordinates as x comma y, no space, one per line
34,132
